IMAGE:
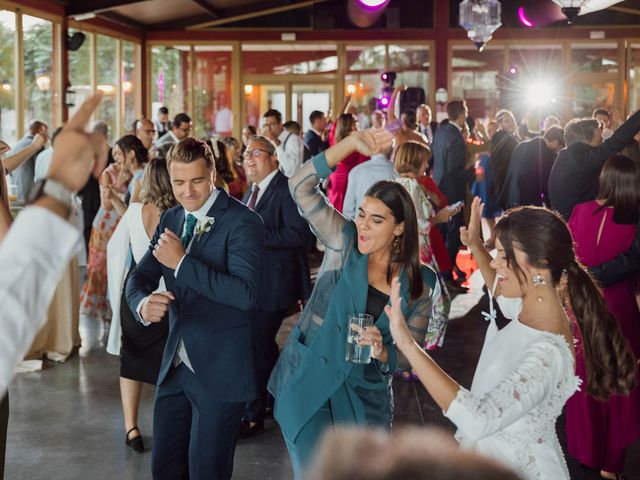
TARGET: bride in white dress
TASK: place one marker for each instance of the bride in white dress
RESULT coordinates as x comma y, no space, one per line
526,371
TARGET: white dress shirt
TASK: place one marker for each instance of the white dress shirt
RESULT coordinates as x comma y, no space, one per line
32,265
290,152
263,185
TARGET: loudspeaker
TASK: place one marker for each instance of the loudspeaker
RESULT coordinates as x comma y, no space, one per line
75,41
411,98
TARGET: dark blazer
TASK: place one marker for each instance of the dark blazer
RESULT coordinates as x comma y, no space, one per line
216,289
574,176
528,175
284,266
314,142
449,162
502,146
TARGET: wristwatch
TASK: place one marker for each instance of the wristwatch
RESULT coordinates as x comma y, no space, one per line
53,189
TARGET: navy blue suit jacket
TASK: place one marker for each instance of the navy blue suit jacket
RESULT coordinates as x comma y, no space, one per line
449,162
216,289
284,266
314,143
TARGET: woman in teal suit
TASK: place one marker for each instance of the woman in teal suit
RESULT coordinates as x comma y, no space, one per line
313,385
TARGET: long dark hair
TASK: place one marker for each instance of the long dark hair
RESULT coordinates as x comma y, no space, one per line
131,142
224,164
396,198
344,126
619,181
546,241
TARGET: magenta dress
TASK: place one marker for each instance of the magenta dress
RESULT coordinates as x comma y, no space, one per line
599,432
338,179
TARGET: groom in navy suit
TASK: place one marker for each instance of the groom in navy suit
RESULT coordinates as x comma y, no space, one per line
207,250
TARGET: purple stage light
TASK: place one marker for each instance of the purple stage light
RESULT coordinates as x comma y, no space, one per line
522,16
373,4
384,101
513,70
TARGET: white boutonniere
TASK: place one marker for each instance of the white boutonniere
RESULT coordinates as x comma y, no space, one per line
204,225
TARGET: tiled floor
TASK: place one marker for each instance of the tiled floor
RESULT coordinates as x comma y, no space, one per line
66,421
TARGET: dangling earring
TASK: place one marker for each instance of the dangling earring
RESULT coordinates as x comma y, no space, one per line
538,281
396,245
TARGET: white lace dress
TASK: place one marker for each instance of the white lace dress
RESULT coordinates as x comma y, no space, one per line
522,381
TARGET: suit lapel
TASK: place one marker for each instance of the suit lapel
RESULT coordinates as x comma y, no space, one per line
273,185
356,280
216,211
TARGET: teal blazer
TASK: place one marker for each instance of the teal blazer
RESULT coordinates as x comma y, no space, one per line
312,368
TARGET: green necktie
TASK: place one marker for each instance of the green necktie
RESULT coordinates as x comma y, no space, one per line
188,231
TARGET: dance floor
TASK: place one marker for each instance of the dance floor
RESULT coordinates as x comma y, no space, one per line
66,421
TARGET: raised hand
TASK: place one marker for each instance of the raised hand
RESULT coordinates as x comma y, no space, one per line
471,236
371,141
397,324
74,157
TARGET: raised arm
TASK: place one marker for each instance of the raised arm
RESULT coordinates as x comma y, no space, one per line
325,221
391,110
14,161
622,136
472,239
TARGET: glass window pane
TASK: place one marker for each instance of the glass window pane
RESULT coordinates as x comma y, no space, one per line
594,57
260,98
80,72
8,119
289,59
586,97
38,70
411,64
363,57
129,86
212,94
307,98
170,78
475,77
365,89
107,71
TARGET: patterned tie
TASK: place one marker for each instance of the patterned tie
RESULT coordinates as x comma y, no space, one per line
253,197
188,231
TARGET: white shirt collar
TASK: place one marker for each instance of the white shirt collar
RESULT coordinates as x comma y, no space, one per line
264,184
204,209
457,126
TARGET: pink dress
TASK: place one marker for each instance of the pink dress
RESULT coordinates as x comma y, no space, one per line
338,179
599,432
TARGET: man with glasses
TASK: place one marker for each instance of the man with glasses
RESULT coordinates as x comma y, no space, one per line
290,147
145,131
180,129
284,274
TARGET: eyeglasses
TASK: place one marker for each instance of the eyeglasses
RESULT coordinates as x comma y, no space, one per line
255,153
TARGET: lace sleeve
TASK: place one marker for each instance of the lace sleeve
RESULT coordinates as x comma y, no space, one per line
528,385
325,221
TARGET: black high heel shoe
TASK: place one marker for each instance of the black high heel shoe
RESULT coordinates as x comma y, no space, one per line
136,442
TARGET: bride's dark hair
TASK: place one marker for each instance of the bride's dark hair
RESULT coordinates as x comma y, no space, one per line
546,241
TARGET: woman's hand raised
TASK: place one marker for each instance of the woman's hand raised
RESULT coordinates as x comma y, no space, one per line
397,324
471,236
371,141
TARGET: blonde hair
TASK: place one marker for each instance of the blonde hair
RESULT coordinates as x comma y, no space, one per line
156,185
411,157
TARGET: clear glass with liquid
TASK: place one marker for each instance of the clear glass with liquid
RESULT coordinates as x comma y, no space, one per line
356,353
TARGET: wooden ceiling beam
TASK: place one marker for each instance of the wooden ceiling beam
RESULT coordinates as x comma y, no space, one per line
81,7
213,12
246,13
